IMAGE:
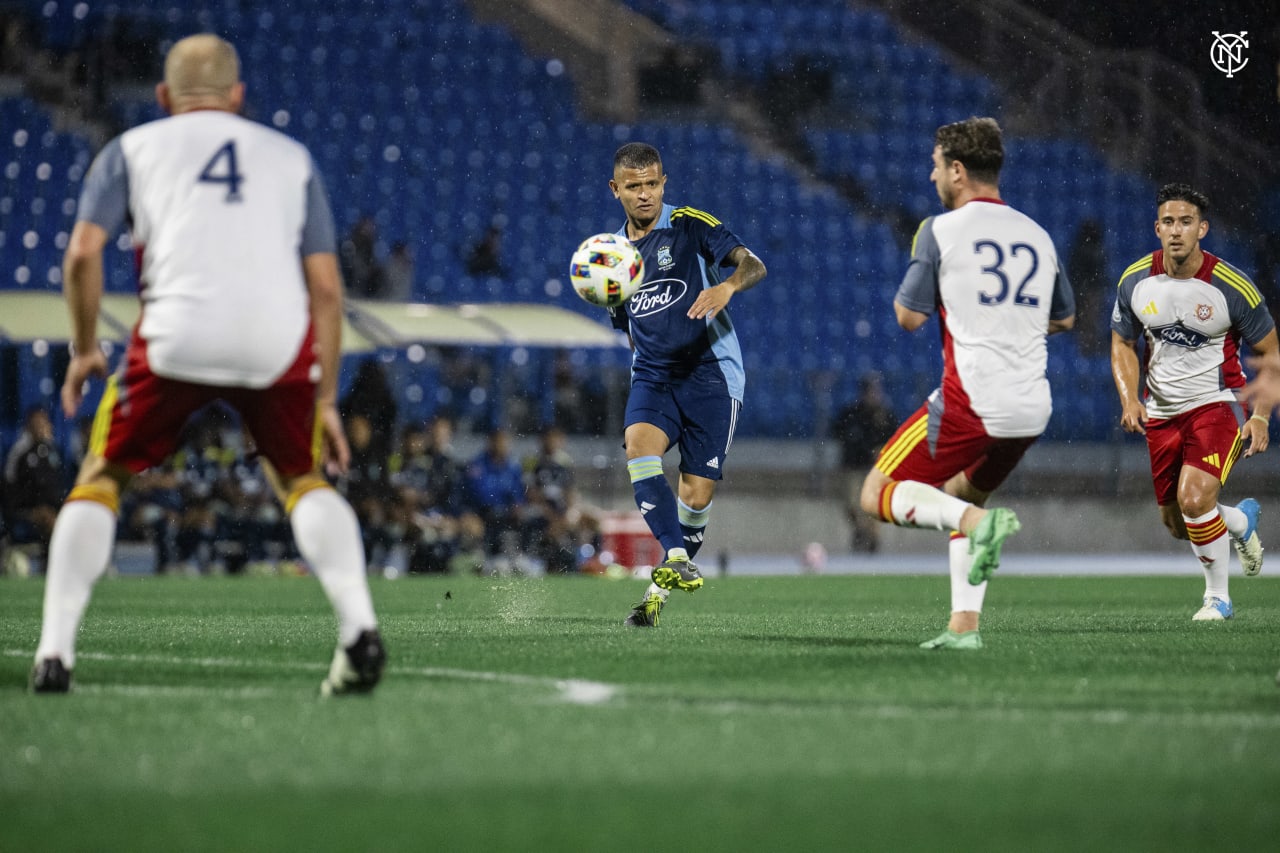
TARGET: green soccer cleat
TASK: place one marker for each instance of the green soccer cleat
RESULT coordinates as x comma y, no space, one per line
967,641
645,614
986,540
677,573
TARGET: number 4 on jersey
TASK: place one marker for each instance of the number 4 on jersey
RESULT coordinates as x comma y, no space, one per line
222,169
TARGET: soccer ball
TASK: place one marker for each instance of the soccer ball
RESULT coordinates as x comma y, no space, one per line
606,270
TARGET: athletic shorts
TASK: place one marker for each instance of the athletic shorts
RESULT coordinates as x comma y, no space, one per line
936,443
697,413
139,422
1207,437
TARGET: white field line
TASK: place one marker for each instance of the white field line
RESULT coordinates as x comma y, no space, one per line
585,692
575,691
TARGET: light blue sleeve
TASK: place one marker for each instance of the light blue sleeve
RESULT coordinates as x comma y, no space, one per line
919,288
104,198
317,230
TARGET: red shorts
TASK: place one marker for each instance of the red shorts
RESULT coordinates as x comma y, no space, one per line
1207,437
140,419
934,445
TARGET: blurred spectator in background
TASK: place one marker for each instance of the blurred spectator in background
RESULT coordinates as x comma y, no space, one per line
485,257
34,483
370,397
568,400
441,535
367,487
1087,266
550,535
361,270
495,485
862,427
399,273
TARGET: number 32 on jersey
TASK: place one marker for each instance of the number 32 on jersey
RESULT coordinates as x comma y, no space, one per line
1023,254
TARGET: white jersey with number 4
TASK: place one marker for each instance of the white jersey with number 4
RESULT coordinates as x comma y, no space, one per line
993,276
220,210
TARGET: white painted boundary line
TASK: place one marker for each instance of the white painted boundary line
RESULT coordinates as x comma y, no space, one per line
585,692
575,691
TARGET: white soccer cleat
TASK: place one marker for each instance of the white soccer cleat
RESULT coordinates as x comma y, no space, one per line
1215,610
1249,546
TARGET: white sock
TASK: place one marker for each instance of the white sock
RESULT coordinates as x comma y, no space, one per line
655,589
1210,543
964,595
913,504
328,537
79,552
1237,522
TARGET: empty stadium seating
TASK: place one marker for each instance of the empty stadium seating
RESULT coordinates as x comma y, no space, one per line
435,124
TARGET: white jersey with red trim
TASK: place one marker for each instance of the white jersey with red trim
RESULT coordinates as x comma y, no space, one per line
1193,328
220,210
993,276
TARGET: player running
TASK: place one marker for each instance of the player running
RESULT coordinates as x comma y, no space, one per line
993,277
1193,309
241,301
686,372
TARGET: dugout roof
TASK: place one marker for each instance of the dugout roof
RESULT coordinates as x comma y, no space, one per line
27,317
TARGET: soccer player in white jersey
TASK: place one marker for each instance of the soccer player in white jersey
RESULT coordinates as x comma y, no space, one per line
992,276
241,301
1193,310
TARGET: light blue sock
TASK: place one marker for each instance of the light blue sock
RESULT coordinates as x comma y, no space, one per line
693,522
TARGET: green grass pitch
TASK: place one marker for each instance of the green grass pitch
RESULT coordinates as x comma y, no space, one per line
780,713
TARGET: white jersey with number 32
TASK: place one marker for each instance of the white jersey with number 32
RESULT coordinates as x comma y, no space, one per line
993,275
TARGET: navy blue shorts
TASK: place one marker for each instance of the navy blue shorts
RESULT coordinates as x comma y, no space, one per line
697,413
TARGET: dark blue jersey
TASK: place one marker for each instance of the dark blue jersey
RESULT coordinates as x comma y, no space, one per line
682,257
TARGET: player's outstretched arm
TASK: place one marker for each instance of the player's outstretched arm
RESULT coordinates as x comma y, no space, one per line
82,285
750,270
1124,370
1257,429
324,284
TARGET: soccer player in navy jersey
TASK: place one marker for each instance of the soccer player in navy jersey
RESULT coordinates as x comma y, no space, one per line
686,372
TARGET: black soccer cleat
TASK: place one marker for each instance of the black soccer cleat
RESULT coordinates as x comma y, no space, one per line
50,676
645,614
358,667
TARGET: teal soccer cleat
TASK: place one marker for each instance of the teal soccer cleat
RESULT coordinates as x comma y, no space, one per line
967,641
986,540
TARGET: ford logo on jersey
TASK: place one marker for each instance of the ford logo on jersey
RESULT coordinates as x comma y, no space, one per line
657,296
1180,336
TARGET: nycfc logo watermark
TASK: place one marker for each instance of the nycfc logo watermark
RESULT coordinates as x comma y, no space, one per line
1227,51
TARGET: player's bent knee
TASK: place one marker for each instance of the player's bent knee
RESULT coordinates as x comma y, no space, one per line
296,487
872,491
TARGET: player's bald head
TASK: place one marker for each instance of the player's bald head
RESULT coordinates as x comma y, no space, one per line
201,66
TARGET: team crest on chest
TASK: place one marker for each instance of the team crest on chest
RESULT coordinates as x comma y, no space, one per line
1204,313
664,258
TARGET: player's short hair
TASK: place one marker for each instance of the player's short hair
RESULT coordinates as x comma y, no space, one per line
1184,192
202,64
975,142
637,155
